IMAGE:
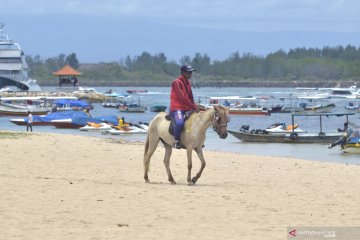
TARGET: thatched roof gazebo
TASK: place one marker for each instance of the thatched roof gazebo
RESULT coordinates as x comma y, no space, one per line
67,75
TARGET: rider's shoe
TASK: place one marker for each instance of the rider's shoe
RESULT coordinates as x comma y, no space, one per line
177,144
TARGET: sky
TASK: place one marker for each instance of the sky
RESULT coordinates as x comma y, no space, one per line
109,30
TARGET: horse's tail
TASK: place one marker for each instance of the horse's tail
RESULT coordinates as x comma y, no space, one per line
146,145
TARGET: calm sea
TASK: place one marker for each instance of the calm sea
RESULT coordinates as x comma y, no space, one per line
160,96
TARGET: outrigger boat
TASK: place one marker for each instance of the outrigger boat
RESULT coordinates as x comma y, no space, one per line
293,136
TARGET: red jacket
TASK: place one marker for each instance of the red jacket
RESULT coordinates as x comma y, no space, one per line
181,97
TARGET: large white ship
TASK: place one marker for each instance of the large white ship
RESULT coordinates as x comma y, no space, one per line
14,71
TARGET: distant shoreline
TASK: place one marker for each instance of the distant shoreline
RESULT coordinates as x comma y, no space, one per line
223,83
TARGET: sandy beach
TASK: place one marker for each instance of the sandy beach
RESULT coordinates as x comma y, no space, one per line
74,187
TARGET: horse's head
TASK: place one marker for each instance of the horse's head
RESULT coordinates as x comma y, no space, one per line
220,121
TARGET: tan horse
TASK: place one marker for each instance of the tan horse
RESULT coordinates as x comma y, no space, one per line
192,138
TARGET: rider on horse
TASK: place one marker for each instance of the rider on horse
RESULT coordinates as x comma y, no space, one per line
181,101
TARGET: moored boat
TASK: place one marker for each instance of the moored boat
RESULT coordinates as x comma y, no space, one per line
132,91
92,126
126,130
49,119
292,137
286,138
133,107
237,105
158,108
14,70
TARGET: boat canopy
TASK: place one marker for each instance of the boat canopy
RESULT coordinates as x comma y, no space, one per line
78,117
83,120
72,103
62,115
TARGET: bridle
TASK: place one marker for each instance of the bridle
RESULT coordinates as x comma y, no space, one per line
220,120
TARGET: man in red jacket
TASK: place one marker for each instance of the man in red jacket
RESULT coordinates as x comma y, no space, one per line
181,101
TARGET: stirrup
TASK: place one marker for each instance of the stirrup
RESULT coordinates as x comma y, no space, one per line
177,144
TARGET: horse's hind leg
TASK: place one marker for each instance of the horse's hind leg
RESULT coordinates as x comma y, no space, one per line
203,163
189,157
168,151
150,147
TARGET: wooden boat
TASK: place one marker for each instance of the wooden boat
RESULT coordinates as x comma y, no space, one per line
286,138
248,110
318,104
293,137
20,112
19,106
319,108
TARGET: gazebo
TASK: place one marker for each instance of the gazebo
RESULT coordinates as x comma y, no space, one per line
67,75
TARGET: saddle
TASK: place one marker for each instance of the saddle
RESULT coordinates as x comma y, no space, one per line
168,117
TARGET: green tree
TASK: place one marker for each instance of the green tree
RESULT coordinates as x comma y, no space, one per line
72,60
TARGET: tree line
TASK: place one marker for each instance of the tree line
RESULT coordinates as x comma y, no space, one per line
299,64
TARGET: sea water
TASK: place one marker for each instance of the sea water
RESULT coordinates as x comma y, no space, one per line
161,95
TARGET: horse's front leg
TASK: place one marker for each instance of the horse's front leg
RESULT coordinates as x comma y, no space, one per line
189,157
199,152
168,151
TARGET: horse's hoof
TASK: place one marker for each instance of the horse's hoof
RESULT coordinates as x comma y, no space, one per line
191,183
173,182
193,180
147,181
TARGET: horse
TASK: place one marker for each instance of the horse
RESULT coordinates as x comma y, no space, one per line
192,138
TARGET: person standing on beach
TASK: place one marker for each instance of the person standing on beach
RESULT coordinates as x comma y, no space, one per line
29,122
181,101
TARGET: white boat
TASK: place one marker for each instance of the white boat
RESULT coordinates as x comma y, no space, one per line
14,71
237,105
349,93
87,90
351,106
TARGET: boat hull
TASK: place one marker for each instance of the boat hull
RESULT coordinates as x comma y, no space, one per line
21,122
249,112
286,138
21,113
